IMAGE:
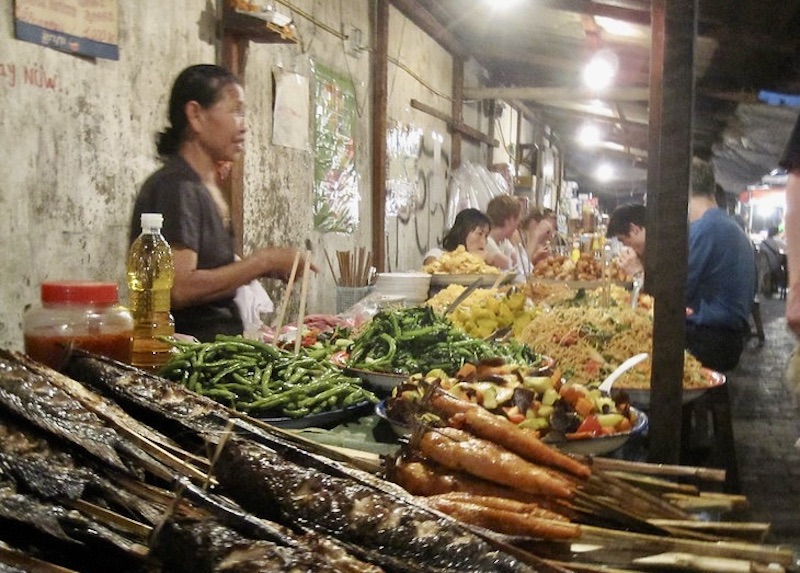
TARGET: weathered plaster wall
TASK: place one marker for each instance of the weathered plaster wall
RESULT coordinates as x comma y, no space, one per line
279,180
420,69
79,141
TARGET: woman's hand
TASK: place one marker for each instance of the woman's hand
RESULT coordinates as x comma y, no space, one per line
541,253
277,262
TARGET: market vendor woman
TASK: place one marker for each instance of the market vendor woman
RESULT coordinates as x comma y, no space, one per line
206,115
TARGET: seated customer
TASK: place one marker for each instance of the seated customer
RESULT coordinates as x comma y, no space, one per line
533,237
504,213
721,281
627,224
470,229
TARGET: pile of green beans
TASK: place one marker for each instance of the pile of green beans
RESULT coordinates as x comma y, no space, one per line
261,379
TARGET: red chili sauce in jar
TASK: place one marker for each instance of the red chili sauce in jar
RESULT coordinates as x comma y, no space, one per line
76,314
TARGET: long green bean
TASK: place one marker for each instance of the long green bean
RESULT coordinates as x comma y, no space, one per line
256,377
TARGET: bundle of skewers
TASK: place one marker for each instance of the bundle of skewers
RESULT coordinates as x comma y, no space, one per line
355,268
483,470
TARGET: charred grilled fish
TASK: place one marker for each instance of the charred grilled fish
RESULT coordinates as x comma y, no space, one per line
207,546
308,491
29,395
265,483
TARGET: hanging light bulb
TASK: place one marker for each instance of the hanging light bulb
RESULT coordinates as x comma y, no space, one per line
604,173
589,135
601,69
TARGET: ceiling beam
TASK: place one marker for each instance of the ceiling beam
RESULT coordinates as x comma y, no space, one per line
592,8
426,21
556,93
558,112
632,71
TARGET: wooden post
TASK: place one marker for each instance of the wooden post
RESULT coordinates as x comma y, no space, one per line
234,57
457,110
489,105
670,153
380,62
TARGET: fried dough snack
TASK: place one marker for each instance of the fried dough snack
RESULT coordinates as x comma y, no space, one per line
459,450
504,520
586,268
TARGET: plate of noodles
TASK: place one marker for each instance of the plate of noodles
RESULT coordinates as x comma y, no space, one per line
640,396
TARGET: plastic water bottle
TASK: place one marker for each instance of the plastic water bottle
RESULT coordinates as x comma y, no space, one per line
151,273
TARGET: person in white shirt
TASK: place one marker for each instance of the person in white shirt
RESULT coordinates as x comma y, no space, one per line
504,213
536,230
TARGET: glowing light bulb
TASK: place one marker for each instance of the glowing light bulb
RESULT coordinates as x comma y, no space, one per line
601,69
604,173
589,135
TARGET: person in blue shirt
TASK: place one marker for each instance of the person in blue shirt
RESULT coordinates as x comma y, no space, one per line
721,271
721,277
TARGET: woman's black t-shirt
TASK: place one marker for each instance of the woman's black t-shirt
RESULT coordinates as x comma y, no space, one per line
191,219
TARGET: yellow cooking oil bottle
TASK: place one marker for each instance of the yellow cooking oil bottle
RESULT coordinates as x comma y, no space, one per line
151,273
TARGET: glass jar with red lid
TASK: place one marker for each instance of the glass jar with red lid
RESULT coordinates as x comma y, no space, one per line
77,314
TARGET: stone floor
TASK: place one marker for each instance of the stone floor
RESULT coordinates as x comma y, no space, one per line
766,425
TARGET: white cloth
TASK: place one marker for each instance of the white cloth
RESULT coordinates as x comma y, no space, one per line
504,247
252,301
435,253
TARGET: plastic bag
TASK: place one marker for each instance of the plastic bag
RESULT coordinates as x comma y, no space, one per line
472,185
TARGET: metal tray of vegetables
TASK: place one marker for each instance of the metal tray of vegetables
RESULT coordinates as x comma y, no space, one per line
404,341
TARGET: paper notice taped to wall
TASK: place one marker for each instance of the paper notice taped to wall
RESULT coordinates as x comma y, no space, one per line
290,123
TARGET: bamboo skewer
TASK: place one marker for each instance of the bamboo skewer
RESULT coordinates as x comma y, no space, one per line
303,296
658,469
161,455
27,562
330,266
752,531
106,516
651,544
287,293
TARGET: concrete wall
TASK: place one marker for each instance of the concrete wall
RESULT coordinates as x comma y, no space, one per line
79,140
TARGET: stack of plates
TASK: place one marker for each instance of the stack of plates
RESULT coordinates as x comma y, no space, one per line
412,286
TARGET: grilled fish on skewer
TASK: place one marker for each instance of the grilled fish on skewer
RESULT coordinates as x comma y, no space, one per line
486,425
29,395
424,477
459,450
504,520
205,546
268,485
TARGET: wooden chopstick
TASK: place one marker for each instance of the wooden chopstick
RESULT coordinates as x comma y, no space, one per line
330,266
303,295
287,293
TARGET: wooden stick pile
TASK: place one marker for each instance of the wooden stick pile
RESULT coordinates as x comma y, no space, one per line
354,267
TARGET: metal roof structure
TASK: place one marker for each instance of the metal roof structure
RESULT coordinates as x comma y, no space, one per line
534,52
